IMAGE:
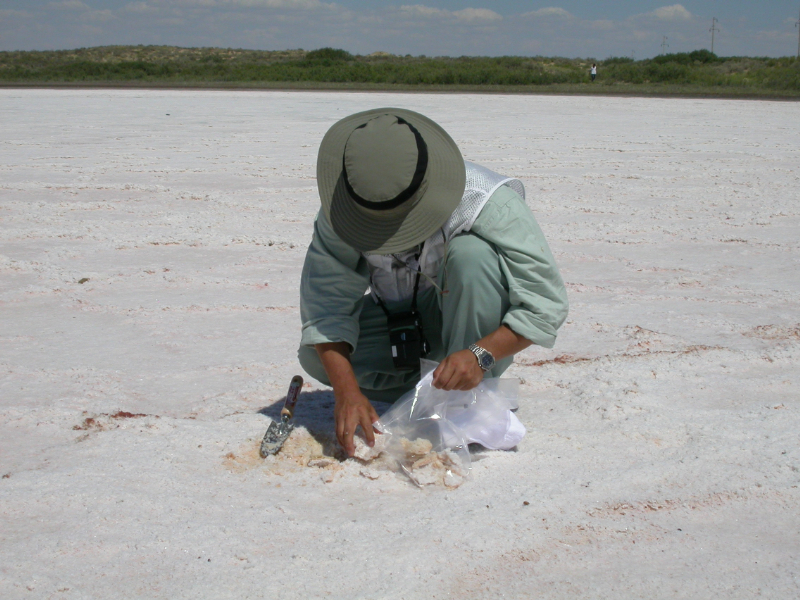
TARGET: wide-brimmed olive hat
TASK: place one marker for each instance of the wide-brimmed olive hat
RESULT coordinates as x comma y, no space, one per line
388,178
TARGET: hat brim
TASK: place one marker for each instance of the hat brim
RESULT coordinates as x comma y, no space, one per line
399,229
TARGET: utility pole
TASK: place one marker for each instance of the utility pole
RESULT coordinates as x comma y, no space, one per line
714,22
798,37
664,44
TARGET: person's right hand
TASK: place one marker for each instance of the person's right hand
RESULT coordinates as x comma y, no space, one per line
352,410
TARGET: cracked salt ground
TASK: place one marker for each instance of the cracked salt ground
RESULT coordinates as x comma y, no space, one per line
662,457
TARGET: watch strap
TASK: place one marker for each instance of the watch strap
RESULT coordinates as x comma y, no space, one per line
480,353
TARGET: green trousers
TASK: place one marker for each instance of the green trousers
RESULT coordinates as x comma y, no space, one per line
472,304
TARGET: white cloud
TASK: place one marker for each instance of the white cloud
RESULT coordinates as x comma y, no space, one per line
676,12
100,15
298,4
419,10
476,14
172,22
550,11
780,36
139,7
465,14
289,4
68,5
280,4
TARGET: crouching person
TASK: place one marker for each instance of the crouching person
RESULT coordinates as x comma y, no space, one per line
417,253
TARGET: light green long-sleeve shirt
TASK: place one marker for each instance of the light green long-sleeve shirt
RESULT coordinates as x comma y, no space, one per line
336,277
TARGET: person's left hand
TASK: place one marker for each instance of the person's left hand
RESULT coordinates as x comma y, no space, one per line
459,371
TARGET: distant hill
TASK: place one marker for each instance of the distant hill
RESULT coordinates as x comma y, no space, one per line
699,72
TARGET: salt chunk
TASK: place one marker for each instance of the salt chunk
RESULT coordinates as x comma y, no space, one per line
428,474
418,447
364,452
452,479
370,473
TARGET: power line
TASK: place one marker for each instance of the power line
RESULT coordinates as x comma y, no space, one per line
714,22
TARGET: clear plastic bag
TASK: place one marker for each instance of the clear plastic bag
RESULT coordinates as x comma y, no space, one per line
427,431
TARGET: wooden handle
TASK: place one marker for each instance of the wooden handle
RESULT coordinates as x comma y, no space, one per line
291,397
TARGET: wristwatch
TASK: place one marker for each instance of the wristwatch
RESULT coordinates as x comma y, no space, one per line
485,358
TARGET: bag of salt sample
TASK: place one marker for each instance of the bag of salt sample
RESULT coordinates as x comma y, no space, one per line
427,430
484,414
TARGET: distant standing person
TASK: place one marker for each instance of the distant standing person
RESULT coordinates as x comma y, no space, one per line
594,71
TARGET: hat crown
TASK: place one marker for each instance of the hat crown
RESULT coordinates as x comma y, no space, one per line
381,160
388,178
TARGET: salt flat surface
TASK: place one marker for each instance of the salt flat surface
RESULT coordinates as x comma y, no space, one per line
662,452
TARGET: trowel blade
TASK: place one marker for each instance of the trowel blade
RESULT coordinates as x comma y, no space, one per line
277,433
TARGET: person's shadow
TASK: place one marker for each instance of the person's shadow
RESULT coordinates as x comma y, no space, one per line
314,411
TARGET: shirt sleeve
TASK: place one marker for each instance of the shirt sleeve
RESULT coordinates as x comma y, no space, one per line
334,280
536,291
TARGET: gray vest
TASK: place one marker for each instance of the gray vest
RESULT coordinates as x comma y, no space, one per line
393,275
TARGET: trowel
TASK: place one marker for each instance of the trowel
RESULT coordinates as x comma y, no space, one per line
278,432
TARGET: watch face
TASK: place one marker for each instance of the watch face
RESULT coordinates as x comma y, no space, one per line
487,362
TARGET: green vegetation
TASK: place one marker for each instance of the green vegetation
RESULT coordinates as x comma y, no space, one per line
699,72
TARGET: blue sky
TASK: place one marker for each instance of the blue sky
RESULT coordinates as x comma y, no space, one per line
572,28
